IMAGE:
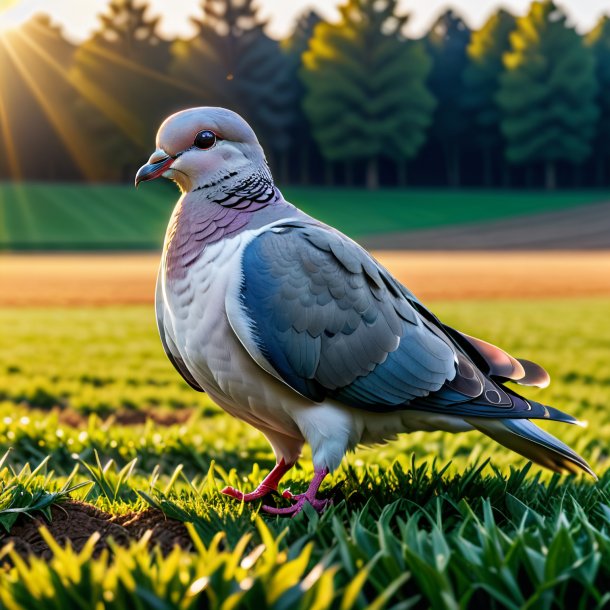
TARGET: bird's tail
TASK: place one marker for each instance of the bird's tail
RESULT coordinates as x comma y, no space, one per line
524,437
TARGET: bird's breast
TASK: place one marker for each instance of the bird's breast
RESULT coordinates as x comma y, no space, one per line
195,302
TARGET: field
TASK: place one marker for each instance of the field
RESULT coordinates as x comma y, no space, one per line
128,279
430,520
112,466
93,217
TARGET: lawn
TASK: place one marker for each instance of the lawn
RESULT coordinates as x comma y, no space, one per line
72,216
426,521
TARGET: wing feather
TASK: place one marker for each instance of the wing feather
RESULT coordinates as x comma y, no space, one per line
318,312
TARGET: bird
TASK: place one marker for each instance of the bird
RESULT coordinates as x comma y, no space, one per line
294,328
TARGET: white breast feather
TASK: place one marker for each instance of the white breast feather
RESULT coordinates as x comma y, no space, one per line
205,320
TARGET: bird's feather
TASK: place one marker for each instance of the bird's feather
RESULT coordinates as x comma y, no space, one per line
168,342
330,322
524,437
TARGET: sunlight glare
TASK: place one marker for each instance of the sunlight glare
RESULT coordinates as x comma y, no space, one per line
62,124
15,12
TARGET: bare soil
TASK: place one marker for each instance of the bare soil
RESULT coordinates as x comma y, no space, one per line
129,279
584,227
77,279
75,522
76,419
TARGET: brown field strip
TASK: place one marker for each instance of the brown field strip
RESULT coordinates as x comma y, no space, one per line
124,279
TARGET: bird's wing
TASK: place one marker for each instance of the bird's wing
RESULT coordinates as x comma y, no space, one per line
167,339
498,364
315,310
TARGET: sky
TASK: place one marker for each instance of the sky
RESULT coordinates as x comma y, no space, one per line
78,17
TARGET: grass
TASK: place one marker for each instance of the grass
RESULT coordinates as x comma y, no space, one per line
73,216
425,521
522,545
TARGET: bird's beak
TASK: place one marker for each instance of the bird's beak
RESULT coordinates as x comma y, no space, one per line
157,165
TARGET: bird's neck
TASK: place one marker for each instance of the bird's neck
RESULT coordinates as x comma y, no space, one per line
217,211
230,188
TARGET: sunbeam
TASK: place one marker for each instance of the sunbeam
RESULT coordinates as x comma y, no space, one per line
13,13
95,95
144,71
65,128
9,143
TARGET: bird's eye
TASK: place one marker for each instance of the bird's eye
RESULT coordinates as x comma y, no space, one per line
205,139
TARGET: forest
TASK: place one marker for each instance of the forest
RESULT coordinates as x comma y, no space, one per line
523,102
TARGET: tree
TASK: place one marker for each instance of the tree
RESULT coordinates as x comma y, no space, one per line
38,135
303,143
233,63
598,40
481,84
547,93
366,96
120,74
446,42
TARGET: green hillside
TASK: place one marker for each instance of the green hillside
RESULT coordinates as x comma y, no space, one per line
88,217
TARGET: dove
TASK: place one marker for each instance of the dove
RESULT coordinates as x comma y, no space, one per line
292,327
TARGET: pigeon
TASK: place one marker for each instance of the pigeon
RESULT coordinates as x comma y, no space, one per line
292,327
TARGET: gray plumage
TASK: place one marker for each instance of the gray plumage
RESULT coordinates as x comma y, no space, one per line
293,327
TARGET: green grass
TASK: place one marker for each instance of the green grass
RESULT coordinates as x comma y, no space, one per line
73,216
422,522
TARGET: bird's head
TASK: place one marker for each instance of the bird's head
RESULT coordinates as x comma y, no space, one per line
203,147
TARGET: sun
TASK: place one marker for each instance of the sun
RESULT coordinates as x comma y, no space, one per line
14,12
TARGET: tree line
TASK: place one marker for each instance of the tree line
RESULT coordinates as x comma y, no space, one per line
521,102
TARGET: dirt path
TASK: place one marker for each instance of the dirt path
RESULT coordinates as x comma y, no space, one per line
108,279
585,227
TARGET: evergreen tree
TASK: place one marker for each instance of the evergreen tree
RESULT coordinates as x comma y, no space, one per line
38,135
120,73
303,145
366,94
599,42
235,64
481,83
446,42
547,93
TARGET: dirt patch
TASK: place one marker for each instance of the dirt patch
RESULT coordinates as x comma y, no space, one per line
76,419
585,227
76,522
100,280
501,275
77,279
165,533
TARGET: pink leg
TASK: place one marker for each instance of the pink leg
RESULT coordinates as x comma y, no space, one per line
268,484
301,499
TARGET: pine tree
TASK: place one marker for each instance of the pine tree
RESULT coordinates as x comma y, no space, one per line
481,84
38,134
121,74
366,94
598,40
303,146
547,93
446,42
235,64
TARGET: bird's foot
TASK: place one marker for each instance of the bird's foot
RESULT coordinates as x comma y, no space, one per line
301,499
260,492
267,486
297,507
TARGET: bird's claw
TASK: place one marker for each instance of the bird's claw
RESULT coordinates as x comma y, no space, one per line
260,492
300,501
